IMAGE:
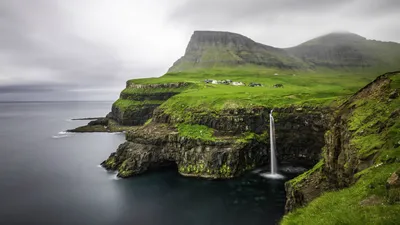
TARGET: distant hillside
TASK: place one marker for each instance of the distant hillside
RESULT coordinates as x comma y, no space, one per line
208,49
348,50
213,49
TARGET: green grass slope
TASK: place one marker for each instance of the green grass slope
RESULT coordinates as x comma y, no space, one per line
374,139
213,49
300,89
346,207
339,51
348,51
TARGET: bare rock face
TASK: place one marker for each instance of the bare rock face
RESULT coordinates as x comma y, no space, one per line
394,180
372,200
393,187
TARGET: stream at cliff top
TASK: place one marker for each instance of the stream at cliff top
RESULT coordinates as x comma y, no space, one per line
51,177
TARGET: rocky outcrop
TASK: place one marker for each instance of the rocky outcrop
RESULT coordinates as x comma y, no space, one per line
393,187
299,131
136,115
240,143
157,145
148,96
362,133
138,101
130,84
394,180
101,125
134,107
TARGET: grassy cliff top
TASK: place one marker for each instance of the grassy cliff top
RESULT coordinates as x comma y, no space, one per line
300,88
315,73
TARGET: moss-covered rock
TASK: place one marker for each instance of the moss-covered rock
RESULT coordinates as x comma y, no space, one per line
214,152
138,101
359,156
102,125
300,134
156,145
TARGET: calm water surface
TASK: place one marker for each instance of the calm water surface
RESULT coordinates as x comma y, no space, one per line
47,177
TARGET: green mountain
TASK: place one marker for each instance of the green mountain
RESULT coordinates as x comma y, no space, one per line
345,51
348,50
208,49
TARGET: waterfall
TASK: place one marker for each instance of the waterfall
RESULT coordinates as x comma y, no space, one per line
274,167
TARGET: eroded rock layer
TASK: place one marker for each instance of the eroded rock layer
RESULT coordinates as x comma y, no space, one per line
156,145
227,154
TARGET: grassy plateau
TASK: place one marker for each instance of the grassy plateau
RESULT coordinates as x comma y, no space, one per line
299,88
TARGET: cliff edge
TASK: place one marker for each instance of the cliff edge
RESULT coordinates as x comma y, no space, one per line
358,173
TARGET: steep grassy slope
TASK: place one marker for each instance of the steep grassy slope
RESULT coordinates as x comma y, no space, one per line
362,151
347,51
210,49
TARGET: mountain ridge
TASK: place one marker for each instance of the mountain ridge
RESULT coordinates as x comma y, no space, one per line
336,50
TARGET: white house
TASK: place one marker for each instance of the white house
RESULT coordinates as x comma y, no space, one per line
237,83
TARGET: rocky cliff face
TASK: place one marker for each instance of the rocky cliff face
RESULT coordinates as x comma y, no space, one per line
239,142
364,133
299,131
157,145
138,101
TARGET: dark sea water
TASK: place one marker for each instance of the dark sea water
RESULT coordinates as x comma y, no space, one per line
52,178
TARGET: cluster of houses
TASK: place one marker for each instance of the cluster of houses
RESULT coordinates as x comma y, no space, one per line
230,82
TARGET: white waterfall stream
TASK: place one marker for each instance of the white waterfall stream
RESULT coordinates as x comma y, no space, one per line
274,167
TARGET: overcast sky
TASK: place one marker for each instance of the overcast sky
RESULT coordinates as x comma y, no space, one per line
87,49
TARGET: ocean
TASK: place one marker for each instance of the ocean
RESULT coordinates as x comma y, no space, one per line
48,176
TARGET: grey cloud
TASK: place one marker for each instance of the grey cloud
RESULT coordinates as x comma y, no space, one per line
31,38
285,23
25,89
35,37
94,46
229,11
373,9
209,12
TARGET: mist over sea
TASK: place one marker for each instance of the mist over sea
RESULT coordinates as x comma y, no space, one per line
48,176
